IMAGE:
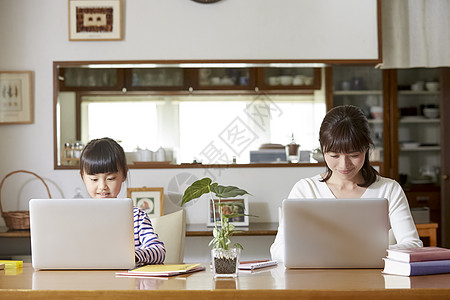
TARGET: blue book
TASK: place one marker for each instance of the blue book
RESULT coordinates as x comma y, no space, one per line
416,268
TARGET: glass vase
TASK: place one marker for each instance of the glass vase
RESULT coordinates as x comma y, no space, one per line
225,263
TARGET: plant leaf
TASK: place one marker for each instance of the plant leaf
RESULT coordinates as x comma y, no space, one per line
196,189
227,191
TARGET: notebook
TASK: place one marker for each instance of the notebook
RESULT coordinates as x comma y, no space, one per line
82,233
335,233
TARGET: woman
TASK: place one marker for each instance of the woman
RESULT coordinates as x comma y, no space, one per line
345,142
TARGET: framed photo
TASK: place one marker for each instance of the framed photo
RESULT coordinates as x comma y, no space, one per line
95,20
150,200
241,209
16,101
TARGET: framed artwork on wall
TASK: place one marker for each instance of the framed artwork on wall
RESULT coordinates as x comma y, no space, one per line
16,99
229,208
150,200
95,20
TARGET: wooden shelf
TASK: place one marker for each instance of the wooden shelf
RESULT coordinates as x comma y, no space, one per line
254,229
358,92
415,93
418,120
421,148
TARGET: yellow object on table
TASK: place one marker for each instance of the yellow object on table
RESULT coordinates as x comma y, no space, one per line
10,264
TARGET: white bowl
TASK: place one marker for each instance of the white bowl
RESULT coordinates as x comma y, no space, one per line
431,113
273,80
410,145
286,80
432,86
417,86
376,112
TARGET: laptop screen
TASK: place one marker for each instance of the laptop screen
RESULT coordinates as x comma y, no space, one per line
82,233
335,233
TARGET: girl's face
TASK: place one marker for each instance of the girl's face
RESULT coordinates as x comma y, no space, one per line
345,165
104,185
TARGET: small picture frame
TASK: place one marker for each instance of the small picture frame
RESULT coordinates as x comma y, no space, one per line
242,209
16,99
95,20
150,200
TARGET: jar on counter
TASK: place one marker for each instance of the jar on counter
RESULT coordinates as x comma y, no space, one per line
68,153
77,149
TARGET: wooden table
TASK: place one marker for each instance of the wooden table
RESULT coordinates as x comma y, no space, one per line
271,283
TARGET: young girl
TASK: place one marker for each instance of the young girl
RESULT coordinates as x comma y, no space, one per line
345,142
103,168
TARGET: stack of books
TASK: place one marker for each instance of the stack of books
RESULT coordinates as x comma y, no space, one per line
417,261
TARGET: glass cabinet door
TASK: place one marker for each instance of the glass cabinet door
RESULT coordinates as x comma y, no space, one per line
89,78
224,78
362,86
289,78
419,125
156,78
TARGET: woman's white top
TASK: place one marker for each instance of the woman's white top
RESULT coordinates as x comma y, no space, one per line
400,218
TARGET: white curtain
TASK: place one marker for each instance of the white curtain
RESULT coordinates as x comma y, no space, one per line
416,33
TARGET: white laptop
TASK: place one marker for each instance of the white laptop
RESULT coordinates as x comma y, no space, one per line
335,233
82,233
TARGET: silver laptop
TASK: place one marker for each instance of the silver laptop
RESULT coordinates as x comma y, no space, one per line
335,233
82,233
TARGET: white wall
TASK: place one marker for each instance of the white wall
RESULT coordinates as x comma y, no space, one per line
34,34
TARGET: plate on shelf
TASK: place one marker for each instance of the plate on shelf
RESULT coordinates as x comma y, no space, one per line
412,118
151,163
421,181
410,145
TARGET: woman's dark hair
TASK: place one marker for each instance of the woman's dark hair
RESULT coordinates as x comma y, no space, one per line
103,156
345,130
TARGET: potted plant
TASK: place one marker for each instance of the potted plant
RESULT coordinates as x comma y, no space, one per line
225,257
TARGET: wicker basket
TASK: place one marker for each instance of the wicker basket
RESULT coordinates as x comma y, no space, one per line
19,219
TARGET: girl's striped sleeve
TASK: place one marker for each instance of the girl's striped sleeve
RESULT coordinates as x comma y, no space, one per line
148,248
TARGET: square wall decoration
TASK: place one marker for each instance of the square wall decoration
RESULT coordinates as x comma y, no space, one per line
16,97
95,20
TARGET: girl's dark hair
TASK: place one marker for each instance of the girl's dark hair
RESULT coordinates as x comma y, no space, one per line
103,156
345,130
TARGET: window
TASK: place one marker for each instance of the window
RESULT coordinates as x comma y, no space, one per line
213,132
116,118
209,129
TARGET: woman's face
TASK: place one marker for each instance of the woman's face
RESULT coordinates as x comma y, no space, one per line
345,165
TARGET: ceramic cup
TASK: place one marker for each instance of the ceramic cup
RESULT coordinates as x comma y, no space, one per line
418,86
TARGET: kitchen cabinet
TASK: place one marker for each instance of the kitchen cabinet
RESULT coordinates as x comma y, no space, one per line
188,79
418,135
362,86
141,79
273,78
224,79
90,79
413,128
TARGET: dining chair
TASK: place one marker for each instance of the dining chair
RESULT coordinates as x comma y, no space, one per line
171,230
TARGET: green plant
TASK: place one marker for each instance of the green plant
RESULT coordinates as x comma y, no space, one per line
224,230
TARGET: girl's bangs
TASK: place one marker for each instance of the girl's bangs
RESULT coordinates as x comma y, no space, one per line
100,165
